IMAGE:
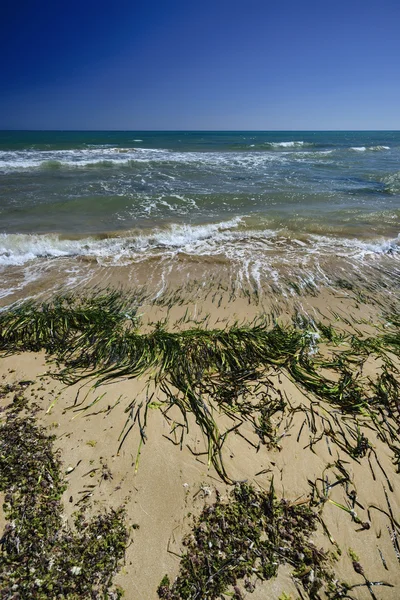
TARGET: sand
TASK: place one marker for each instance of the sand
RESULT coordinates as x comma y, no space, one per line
166,484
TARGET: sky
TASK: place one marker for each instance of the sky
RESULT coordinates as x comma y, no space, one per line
200,64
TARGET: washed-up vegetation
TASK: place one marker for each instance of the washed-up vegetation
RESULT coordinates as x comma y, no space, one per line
42,557
208,371
238,542
235,372
235,543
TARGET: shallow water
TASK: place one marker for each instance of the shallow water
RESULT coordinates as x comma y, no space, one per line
276,206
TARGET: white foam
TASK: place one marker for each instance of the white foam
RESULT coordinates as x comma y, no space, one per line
379,248
257,257
291,144
19,249
21,160
355,248
370,148
210,239
308,154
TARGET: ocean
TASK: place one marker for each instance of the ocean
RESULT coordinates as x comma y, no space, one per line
275,211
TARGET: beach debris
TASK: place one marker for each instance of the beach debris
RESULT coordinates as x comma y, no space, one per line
195,375
64,561
236,542
209,371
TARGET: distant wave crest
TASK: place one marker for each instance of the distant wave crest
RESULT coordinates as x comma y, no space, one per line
275,146
23,160
369,148
291,144
107,156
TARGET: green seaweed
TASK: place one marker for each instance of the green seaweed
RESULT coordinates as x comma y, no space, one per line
209,371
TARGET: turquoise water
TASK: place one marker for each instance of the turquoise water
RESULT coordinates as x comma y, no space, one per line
121,195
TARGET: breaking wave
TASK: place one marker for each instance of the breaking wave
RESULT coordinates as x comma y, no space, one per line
291,144
369,148
121,157
104,156
18,249
231,238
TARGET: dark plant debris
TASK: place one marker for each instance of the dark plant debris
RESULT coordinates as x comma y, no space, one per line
206,371
236,542
41,557
203,372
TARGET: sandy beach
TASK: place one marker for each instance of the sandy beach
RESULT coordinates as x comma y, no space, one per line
337,459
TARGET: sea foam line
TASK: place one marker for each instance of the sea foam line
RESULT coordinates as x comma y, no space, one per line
92,157
230,238
369,148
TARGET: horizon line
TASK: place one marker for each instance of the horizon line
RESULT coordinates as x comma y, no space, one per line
205,130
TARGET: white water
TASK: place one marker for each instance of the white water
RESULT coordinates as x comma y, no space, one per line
225,237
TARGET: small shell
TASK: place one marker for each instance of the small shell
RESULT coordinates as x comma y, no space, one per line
76,570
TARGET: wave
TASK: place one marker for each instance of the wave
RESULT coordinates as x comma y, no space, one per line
106,156
18,249
356,248
291,144
22,160
275,146
56,159
295,145
369,148
233,239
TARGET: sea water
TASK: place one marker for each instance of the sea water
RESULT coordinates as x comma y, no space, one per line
324,204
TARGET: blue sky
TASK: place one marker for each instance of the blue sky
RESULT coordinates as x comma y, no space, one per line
184,64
